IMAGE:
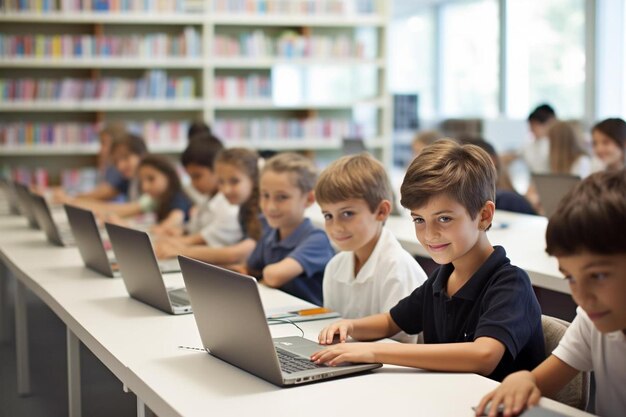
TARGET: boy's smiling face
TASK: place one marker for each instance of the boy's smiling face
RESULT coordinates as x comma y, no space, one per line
446,230
282,202
598,284
351,224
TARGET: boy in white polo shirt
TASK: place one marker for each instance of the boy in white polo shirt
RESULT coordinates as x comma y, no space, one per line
586,234
373,272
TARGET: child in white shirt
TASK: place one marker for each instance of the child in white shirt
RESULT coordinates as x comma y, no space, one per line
373,272
214,221
587,236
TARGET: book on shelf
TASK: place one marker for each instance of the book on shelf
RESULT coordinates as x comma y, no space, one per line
73,136
148,45
179,6
253,86
155,85
289,44
307,7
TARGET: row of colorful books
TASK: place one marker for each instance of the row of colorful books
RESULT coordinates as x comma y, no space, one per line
253,86
96,5
30,135
309,7
150,45
272,128
288,45
155,84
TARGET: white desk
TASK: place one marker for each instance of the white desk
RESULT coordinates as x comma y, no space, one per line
523,237
139,344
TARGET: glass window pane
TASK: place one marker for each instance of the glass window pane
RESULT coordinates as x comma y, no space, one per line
546,49
470,58
411,55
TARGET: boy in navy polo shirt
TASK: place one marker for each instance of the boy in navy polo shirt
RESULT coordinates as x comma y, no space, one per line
478,312
292,253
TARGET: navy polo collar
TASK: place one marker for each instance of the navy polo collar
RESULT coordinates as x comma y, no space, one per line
473,287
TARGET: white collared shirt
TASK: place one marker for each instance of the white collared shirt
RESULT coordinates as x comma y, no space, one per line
585,348
389,275
216,220
536,154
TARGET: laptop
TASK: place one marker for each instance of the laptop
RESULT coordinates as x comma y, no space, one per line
57,234
551,188
140,271
89,241
26,205
233,327
11,196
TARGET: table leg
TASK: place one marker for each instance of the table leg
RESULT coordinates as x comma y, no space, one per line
73,374
21,340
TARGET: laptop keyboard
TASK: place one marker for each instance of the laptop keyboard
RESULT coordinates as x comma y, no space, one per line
290,363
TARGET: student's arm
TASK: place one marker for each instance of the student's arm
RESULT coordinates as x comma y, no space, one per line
173,220
278,274
524,388
103,192
233,254
480,356
372,327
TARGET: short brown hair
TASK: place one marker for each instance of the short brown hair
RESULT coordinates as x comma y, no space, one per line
293,163
591,217
463,172
354,177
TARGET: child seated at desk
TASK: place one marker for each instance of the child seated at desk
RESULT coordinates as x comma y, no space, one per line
292,253
478,312
373,272
237,173
213,222
586,234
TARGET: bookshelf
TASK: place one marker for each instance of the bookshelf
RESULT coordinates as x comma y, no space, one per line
268,74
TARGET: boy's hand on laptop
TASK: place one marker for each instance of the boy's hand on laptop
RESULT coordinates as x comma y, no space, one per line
517,391
345,352
342,328
165,249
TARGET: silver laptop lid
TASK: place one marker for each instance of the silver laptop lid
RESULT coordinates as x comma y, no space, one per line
9,191
551,189
85,230
25,202
138,266
230,318
45,220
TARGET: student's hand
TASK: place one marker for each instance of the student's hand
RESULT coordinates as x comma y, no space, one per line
516,392
342,328
164,249
59,196
345,352
241,268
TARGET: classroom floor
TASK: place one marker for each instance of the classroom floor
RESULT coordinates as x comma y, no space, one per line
102,393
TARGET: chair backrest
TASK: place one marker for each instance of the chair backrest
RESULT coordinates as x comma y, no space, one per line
576,392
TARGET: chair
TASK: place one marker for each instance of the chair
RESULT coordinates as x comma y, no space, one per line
576,392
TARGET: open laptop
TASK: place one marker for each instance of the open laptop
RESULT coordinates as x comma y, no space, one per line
57,234
232,325
89,241
26,204
551,188
141,273
11,196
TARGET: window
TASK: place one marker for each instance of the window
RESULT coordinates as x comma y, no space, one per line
411,59
470,58
546,56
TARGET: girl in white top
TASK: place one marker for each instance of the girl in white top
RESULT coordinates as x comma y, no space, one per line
586,234
373,272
